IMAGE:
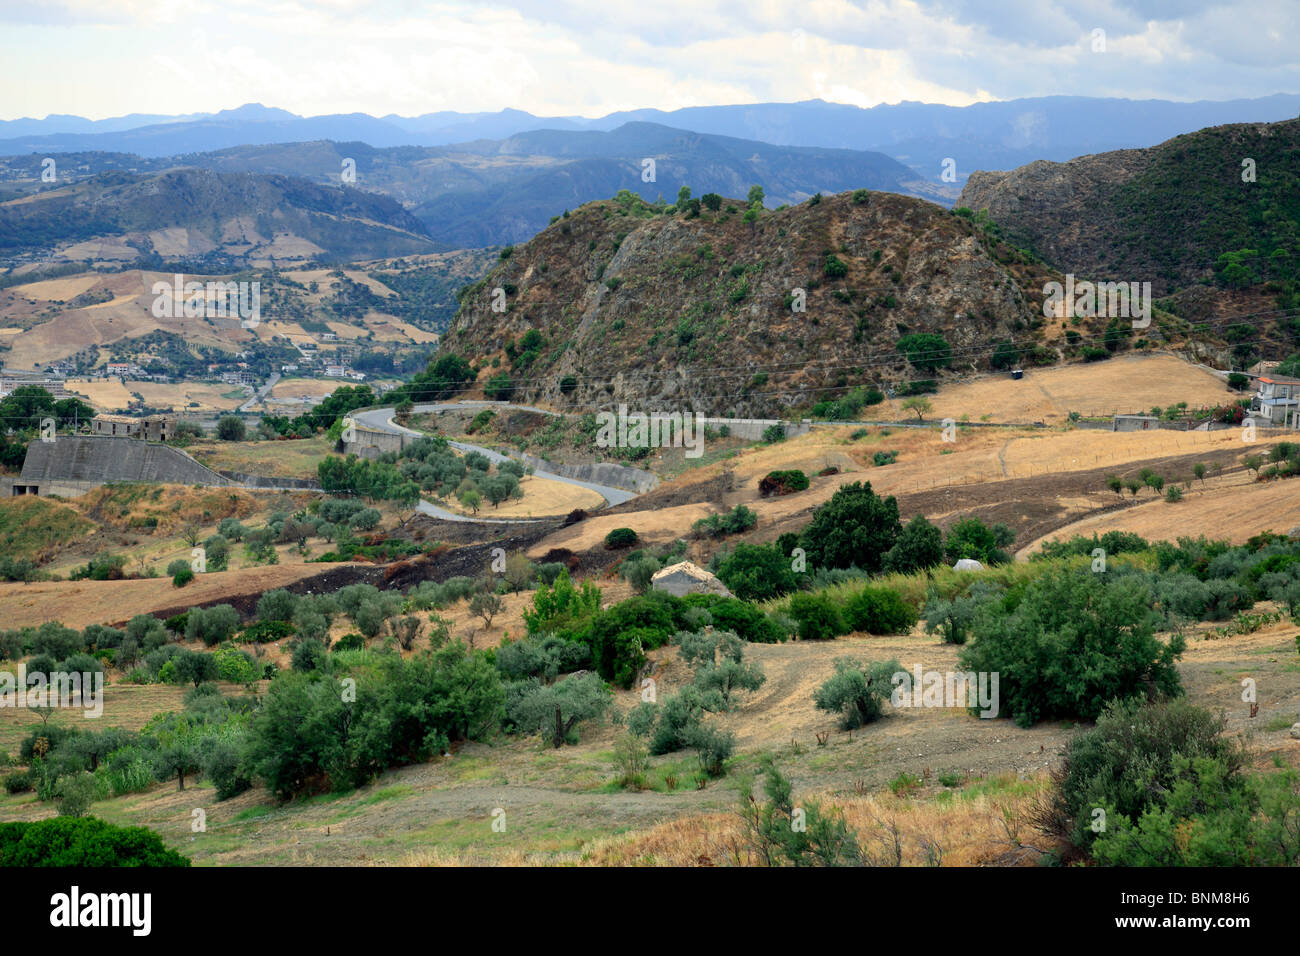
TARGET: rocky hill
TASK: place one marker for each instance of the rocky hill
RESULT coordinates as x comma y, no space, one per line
617,303
1167,214
224,219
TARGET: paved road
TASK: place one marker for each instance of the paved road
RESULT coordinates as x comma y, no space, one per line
262,392
381,419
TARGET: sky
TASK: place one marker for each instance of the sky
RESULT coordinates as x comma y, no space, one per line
102,58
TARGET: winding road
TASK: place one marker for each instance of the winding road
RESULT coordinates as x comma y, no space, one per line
381,419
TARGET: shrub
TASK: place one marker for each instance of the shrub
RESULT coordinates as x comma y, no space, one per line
817,615
309,655
855,528
230,428
856,692
1129,763
736,521
925,350
1074,642
757,572
773,434
918,548
555,710
264,632
183,577
879,610
76,794
782,483
677,719
211,625
620,538
713,746
972,538
82,842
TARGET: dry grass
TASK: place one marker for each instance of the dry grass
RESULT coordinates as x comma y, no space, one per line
987,826
1126,383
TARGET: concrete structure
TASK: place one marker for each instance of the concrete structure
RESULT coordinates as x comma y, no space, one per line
686,578
371,442
1134,423
150,428
13,380
1277,401
72,466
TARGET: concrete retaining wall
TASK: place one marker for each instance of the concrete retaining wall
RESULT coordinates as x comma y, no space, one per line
370,442
599,473
92,460
264,481
752,429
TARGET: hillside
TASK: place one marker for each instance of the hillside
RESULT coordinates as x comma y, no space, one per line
674,311
219,219
392,308
1165,214
497,191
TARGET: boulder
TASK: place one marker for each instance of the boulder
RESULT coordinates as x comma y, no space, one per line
968,564
685,578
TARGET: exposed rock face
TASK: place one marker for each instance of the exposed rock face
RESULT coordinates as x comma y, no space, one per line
677,312
686,578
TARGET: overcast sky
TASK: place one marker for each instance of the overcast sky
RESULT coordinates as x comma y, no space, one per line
101,58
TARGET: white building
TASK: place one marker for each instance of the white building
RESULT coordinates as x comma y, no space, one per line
1277,400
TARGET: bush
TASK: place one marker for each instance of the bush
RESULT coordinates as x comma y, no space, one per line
76,794
919,547
736,521
782,483
82,842
264,632
230,428
555,710
972,538
925,350
773,434
1074,642
1130,763
183,577
713,746
855,528
857,692
620,538
818,617
757,572
879,610
308,655
211,625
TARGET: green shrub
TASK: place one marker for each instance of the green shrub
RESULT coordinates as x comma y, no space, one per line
782,483
857,692
817,615
1074,642
855,528
82,842
879,610
757,572
620,538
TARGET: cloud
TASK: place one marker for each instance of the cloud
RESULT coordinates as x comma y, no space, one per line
589,57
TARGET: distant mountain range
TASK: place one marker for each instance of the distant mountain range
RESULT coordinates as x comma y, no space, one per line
1000,135
482,193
